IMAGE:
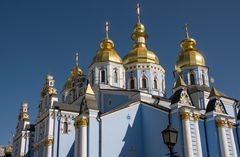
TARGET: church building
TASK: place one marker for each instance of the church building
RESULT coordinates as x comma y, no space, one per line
120,108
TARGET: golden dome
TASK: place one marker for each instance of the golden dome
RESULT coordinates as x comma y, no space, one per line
140,53
107,53
189,56
75,72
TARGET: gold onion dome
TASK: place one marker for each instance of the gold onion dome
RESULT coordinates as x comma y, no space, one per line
75,72
189,56
140,53
107,52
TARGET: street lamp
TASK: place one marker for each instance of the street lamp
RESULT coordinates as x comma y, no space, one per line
170,135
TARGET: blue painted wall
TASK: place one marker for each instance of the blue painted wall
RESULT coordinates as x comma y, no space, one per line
122,133
65,143
236,140
213,140
111,101
203,137
177,124
154,122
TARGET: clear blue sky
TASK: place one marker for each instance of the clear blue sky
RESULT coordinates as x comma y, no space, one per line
37,37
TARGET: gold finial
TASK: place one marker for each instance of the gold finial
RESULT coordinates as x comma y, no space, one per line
186,30
138,12
107,29
77,58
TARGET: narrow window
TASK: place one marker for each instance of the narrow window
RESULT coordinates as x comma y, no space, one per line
115,76
144,82
203,79
155,83
93,77
132,83
103,76
163,85
65,127
192,79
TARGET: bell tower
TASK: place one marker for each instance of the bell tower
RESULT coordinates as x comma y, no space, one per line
106,67
143,71
48,94
190,64
74,87
22,135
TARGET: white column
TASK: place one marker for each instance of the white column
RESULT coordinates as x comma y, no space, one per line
76,146
23,144
222,136
230,125
83,137
48,147
196,126
188,151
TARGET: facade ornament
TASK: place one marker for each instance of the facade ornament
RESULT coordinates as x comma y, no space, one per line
220,123
185,115
196,117
83,121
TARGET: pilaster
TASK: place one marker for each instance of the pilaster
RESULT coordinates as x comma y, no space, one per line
197,131
221,124
185,117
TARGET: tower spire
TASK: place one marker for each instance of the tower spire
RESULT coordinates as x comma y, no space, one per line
186,30
138,12
106,29
77,58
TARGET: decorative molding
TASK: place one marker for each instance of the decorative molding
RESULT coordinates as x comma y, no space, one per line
48,141
230,124
185,115
220,123
83,121
196,117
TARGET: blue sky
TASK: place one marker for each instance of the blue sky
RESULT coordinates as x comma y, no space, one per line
37,37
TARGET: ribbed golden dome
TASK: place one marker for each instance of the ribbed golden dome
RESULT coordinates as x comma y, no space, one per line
189,56
107,53
140,53
75,72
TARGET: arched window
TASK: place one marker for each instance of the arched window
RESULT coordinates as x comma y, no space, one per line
163,85
132,83
144,82
103,76
203,79
115,76
93,77
65,127
155,83
192,79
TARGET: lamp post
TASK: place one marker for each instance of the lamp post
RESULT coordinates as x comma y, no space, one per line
170,136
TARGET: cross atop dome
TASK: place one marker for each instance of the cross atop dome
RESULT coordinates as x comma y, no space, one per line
106,29
186,30
138,12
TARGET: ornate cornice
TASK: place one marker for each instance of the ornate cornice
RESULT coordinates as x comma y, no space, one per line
185,115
